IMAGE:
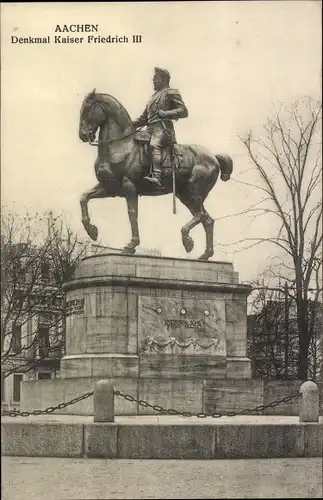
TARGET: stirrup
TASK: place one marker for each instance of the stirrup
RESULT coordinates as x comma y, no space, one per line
154,180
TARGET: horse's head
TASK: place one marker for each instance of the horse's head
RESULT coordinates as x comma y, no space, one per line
99,110
91,117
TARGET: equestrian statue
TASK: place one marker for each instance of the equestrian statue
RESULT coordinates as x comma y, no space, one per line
142,158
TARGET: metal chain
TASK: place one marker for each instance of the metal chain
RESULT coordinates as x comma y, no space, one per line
171,411
50,409
145,404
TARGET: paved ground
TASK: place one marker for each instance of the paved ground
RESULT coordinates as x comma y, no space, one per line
164,419
85,479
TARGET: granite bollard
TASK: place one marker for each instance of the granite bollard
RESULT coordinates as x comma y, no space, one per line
103,402
309,402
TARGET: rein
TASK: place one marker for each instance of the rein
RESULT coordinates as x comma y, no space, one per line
109,141
96,143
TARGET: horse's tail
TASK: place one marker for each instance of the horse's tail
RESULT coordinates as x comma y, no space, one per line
226,166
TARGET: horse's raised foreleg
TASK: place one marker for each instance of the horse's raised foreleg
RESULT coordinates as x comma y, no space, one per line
187,240
208,224
194,204
96,192
200,215
132,205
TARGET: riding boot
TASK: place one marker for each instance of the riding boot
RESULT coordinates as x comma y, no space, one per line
157,171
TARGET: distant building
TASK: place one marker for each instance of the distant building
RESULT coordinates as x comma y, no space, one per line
33,334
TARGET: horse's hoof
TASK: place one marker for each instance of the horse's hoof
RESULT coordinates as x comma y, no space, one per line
128,251
205,256
188,243
225,177
93,232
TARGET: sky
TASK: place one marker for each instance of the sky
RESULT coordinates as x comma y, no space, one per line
231,61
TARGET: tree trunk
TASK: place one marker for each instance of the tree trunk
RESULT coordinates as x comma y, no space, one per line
303,340
286,328
303,361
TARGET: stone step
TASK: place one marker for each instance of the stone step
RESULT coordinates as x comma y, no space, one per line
161,441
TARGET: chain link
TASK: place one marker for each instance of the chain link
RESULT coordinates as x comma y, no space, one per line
50,409
171,411
157,408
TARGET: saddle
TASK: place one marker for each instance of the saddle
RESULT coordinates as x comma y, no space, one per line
170,153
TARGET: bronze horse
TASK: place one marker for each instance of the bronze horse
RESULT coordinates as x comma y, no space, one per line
120,170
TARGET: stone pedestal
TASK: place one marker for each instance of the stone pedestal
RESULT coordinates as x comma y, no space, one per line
164,328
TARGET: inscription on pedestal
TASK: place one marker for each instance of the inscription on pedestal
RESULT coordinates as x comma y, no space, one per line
179,323
75,307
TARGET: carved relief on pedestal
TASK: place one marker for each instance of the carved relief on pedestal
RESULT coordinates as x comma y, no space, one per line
181,326
151,344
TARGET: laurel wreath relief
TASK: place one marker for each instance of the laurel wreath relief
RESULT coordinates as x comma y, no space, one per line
154,345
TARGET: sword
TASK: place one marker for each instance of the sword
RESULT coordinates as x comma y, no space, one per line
174,185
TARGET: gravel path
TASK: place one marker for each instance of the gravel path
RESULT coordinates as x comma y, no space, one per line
85,479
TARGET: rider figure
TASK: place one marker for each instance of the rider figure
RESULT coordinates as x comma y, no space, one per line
165,105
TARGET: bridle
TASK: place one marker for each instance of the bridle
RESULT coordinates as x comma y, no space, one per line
109,141
97,143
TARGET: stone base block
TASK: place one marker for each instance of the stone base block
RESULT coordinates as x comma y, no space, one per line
41,439
168,366
172,366
177,394
101,440
100,365
275,390
238,368
232,395
161,441
262,441
141,266
166,442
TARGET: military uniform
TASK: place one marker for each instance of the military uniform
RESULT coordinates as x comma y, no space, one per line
164,106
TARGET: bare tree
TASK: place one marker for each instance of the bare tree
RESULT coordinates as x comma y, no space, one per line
38,254
287,158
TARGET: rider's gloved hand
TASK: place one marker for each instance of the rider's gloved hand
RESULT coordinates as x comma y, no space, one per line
162,114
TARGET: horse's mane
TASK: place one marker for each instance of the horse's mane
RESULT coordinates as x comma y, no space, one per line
115,109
